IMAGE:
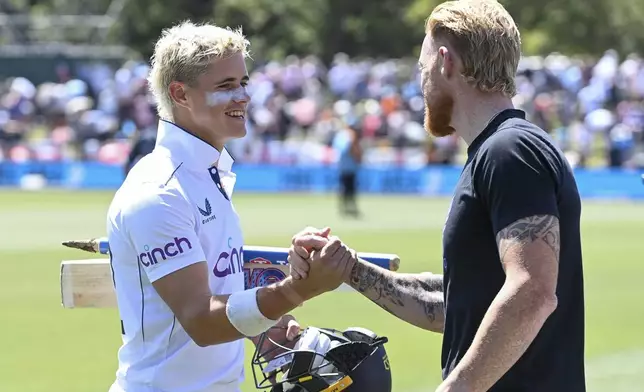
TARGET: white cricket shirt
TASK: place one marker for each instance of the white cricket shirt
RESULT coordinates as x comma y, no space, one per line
173,210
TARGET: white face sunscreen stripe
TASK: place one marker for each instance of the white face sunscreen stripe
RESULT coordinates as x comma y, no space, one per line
224,97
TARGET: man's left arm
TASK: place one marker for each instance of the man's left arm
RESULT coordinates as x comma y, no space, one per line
520,193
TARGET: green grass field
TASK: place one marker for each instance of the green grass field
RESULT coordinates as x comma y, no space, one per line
46,348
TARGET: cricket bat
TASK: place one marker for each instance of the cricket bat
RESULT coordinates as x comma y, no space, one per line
88,283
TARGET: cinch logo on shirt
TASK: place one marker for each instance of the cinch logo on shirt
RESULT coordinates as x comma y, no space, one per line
229,263
171,249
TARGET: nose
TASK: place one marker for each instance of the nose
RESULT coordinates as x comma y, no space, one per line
241,95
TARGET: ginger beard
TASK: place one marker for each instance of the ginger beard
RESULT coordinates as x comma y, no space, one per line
438,113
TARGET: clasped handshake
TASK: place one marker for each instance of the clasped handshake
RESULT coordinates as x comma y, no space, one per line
320,262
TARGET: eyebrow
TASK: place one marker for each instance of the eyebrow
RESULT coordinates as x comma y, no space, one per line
232,79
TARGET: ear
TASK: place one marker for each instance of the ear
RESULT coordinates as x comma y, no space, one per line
447,62
178,93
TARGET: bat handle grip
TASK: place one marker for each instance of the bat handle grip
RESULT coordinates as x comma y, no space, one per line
103,246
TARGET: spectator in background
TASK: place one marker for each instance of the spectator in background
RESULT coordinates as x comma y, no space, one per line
593,109
347,145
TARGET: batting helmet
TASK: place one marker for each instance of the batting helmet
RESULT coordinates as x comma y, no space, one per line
324,360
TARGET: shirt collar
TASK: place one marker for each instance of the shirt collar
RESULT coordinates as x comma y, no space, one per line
493,126
190,149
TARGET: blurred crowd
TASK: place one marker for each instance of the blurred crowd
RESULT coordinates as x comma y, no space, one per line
300,108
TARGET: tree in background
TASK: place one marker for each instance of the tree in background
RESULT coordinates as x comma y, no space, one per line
383,28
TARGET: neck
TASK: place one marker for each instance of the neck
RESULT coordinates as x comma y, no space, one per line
472,113
204,134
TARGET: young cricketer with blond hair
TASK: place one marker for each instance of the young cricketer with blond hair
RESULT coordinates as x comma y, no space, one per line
175,239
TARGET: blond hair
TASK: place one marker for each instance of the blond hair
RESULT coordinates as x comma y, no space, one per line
183,52
485,38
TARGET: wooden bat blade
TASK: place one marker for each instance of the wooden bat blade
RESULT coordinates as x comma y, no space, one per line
87,284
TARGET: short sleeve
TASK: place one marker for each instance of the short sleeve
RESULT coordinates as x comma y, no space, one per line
161,228
515,179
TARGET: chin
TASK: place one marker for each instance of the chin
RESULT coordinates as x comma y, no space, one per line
440,131
438,115
437,125
237,132
229,130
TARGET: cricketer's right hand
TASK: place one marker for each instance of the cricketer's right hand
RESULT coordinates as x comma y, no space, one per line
320,262
302,244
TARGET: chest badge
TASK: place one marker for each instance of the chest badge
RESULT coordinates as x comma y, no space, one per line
207,212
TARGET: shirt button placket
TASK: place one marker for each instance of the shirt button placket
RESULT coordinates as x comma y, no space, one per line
214,174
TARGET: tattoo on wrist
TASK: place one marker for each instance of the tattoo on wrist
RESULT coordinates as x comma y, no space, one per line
389,291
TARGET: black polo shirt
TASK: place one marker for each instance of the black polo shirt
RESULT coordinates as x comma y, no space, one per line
514,171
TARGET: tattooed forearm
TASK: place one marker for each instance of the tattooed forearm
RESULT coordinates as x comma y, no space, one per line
535,228
415,298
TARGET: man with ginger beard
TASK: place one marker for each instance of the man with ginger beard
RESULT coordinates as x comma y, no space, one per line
510,302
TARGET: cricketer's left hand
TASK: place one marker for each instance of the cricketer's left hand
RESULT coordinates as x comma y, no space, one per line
286,329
